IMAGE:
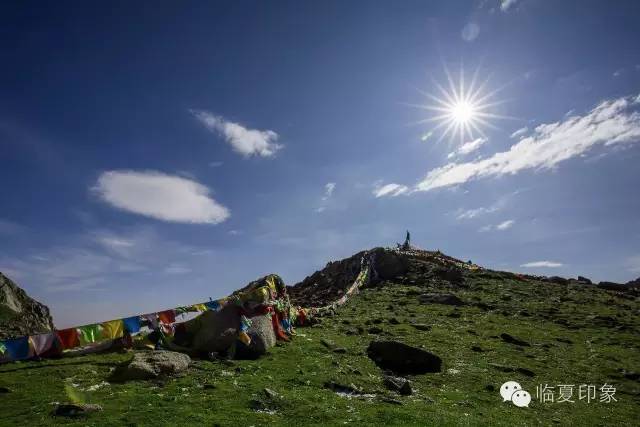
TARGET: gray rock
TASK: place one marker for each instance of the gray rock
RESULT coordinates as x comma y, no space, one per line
262,335
513,340
401,358
397,384
152,364
73,410
218,331
446,299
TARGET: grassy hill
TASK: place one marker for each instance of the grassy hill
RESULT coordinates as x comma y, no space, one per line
567,334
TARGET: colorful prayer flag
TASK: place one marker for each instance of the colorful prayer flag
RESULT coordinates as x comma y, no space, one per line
113,329
167,317
43,343
132,324
18,348
69,338
89,334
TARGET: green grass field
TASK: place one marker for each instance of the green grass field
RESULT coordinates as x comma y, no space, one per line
577,335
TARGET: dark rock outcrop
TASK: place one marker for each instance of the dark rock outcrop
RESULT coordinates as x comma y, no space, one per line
445,299
403,359
20,314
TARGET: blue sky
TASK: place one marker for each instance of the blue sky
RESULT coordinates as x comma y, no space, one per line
157,155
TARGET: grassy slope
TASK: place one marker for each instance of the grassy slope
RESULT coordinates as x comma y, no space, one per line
299,369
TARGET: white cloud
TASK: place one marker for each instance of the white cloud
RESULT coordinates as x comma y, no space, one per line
215,164
160,196
486,228
468,147
520,132
328,190
392,190
472,213
245,141
505,5
611,122
426,136
505,225
543,264
470,31
329,187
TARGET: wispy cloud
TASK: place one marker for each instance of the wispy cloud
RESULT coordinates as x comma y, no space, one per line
611,122
329,187
470,31
505,5
472,213
520,132
160,196
245,141
468,147
542,264
391,190
328,190
505,225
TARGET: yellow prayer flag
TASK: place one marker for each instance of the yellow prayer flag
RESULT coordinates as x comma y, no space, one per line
113,329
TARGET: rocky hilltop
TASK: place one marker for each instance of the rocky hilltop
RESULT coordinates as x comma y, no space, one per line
19,313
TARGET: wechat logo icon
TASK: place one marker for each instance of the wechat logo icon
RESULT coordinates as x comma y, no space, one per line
513,392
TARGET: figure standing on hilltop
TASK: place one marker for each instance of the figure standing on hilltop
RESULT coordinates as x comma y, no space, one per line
407,242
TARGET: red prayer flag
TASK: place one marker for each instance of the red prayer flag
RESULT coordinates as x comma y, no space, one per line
167,317
68,338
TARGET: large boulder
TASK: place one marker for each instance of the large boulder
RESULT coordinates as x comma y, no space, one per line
389,264
401,358
217,330
19,314
446,299
261,333
147,365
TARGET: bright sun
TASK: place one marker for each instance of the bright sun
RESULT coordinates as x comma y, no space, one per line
461,110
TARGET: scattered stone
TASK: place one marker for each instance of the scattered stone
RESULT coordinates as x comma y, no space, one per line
340,350
421,326
634,376
270,393
454,314
525,371
209,386
477,349
4,390
375,330
398,384
446,299
73,410
513,340
390,400
402,358
490,387
341,388
328,343
152,364
564,340
394,321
